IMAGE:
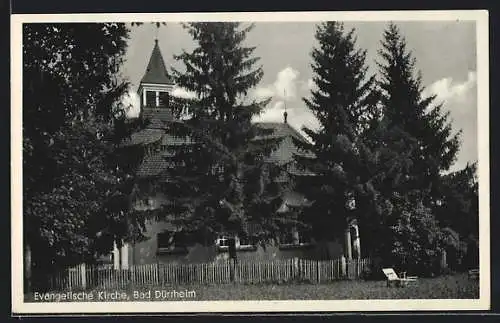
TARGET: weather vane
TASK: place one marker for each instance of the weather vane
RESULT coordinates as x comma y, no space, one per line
285,114
158,24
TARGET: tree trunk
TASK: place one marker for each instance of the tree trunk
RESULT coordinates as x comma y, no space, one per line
356,243
27,268
348,250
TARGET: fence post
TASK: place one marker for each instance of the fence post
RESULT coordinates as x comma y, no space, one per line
343,265
132,275
84,276
158,274
69,278
318,269
296,268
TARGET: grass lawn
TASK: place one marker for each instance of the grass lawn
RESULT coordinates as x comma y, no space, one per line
451,287
458,286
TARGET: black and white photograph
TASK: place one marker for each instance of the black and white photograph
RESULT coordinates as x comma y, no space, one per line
250,162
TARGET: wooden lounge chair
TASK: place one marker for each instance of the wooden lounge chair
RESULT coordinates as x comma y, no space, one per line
393,278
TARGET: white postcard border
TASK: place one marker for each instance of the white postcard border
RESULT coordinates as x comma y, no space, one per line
483,303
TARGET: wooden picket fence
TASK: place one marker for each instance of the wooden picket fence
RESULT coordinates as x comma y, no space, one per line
221,272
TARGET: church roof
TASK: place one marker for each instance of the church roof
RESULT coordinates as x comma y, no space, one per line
287,148
155,164
155,132
144,137
280,130
156,71
158,114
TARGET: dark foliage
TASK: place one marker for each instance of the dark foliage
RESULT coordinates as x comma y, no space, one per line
75,194
219,181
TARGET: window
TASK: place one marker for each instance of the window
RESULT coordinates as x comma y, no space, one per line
305,237
222,242
164,99
150,99
295,238
246,243
287,238
165,240
171,242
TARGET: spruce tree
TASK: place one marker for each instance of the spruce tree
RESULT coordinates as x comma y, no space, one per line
418,134
409,114
219,181
339,181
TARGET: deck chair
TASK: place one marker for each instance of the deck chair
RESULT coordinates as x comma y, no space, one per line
393,278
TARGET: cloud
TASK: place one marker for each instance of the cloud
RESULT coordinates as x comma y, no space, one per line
286,93
263,92
298,116
279,105
446,89
283,88
285,84
309,85
182,93
460,99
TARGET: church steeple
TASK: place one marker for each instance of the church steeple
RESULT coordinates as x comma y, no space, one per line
156,72
156,85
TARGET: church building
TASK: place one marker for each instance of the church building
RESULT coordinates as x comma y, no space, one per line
155,91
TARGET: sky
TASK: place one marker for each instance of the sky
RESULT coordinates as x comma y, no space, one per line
445,53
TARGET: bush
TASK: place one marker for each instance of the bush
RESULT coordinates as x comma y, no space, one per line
417,243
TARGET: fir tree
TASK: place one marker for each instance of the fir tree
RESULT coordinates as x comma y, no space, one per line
413,118
218,180
340,185
418,136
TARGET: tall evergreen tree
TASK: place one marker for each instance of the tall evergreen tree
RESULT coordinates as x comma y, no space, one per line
419,135
409,114
340,185
73,191
218,181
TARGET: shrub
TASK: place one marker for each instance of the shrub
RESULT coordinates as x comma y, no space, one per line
417,240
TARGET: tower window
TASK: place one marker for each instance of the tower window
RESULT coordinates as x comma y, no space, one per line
150,99
164,99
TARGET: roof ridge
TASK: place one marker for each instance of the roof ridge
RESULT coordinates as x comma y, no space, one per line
301,136
292,129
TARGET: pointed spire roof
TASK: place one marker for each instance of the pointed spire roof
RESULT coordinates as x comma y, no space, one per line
156,71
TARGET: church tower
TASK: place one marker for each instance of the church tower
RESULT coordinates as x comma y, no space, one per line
155,87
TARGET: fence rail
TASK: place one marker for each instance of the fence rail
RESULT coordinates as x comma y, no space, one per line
276,271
